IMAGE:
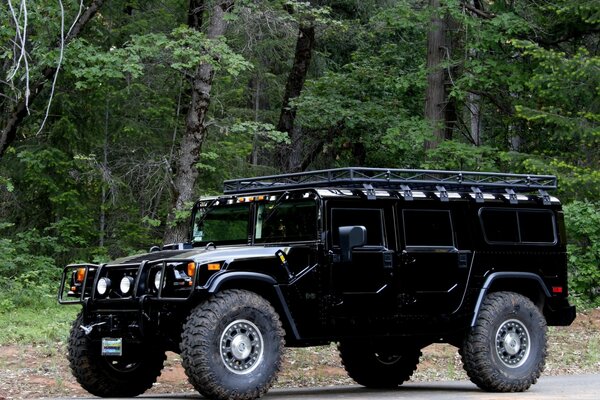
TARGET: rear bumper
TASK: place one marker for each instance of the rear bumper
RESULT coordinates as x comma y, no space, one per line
560,316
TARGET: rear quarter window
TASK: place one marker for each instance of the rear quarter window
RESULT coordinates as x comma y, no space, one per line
522,226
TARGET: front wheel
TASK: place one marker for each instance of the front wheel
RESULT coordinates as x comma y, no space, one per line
126,376
379,368
506,349
232,346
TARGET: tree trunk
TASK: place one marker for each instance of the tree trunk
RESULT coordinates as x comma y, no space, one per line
186,173
290,157
435,92
474,108
19,110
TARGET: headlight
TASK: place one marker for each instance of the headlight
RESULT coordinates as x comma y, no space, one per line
103,286
126,284
157,280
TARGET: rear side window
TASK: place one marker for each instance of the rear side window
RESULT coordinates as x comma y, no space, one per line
502,226
372,219
428,228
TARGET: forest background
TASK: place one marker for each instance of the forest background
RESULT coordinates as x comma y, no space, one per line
117,115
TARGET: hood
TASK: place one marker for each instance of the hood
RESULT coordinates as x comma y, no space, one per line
203,255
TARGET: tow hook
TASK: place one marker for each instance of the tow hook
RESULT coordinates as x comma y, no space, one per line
88,329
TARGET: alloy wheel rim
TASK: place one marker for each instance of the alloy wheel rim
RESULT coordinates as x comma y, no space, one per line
513,343
241,347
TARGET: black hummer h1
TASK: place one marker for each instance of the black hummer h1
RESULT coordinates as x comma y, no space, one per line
383,262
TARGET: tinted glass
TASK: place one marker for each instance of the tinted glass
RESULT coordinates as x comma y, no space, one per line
369,218
427,228
293,220
223,224
500,225
536,227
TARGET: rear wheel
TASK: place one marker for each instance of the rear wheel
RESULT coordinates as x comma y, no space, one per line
126,376
232,346
384,367
506,349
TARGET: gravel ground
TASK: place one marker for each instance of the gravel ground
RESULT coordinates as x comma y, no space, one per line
35,371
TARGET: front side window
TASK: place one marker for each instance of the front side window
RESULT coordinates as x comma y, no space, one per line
288,221
428,228
225,224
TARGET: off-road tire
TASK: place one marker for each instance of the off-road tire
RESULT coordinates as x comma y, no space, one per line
506,349
232,346
378,370
103,378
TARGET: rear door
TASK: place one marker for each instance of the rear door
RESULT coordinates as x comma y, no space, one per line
434,270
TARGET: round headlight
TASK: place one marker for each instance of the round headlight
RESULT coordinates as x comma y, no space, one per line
157,280
126,284
103,286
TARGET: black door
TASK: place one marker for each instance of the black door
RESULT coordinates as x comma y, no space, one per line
364,284
433,271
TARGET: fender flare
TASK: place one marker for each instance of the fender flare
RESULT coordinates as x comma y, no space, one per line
505,275
221,279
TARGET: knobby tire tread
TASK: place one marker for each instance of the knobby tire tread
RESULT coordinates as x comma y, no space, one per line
477,356
363,367
196,339
94,375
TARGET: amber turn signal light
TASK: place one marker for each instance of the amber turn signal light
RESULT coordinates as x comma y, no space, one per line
80,276
191,269
213,267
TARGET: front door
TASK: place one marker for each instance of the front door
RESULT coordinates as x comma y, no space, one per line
364,284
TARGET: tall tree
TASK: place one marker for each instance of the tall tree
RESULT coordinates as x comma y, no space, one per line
19,110
435,95
186,172
290,157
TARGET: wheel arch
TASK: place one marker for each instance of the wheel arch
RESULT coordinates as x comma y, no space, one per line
527,284
263,285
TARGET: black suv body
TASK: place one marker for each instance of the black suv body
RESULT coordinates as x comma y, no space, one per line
382,261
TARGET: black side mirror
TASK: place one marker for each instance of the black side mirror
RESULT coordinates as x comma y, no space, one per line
351,237
153,249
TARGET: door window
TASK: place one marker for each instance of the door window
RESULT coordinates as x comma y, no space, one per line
372,219
428,228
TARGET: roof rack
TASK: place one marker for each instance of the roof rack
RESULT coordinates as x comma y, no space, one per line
394,179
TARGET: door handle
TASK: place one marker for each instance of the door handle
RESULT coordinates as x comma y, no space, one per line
407,259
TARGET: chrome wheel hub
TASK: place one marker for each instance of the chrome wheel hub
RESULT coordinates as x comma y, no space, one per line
512,343
241,347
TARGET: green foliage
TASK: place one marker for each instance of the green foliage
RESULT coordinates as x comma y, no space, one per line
455,155
261,130
96,183
41,325
27,279
582,220
6,184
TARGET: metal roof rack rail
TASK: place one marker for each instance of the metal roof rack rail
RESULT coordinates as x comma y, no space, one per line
394,179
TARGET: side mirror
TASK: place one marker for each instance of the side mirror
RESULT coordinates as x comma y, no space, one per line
351,237
153,249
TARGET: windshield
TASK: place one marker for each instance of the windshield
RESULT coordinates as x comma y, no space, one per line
276,222
226,224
